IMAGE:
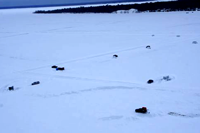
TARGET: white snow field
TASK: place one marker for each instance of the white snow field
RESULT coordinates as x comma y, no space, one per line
97,93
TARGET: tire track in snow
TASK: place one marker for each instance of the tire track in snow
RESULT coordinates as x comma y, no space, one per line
56,29
113,117
80,78
87,90
172,44
85,58
183,115
15,35
132,84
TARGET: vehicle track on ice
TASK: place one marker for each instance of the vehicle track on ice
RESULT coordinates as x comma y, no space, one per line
80,78
103,88
84,58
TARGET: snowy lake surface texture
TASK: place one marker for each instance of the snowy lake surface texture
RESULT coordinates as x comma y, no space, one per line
97,93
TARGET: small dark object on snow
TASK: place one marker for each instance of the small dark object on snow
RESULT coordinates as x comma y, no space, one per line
194,42
150,81
11,88
152,35
141,110
36,83
54,66
167,78
148,47
178,36
60,68
115,56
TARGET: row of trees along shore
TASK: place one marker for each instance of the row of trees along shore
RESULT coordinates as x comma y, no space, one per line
180,5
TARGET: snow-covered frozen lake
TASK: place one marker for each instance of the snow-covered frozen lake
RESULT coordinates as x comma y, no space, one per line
97,93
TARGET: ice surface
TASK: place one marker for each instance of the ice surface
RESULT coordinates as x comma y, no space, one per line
97,93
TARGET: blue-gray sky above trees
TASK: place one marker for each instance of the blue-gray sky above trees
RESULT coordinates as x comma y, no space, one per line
11,3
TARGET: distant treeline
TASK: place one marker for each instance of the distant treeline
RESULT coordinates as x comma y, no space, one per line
181,5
